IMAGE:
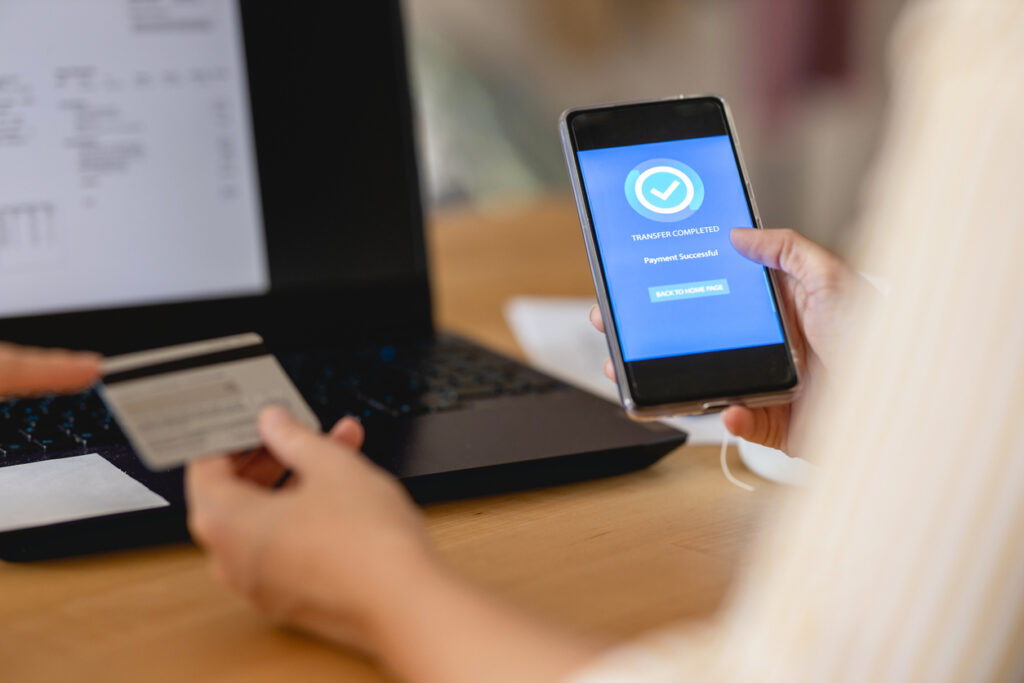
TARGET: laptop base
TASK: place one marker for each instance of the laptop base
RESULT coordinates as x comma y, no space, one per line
167,525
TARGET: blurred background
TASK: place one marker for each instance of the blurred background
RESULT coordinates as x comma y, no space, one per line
805,80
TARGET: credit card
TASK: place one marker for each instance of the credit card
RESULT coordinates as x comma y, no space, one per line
184,402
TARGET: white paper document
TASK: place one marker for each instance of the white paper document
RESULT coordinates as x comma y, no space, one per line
557,337
53,491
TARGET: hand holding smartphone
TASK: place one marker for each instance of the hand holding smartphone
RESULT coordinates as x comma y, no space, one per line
692,325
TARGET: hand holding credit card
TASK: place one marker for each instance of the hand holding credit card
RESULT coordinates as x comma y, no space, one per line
184,402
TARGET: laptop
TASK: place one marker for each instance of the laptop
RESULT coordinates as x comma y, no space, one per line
182,171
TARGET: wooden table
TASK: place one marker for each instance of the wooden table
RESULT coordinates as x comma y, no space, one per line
615,556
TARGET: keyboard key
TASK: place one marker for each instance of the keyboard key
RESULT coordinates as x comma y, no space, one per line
13,449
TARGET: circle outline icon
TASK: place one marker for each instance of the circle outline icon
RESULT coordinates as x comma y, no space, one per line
639,186
644,206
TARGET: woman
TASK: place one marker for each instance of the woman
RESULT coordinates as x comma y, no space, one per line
342,551
905,558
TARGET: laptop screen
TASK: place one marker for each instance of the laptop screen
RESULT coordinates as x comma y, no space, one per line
160,155
127,153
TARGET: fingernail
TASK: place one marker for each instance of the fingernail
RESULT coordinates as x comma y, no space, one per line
274,416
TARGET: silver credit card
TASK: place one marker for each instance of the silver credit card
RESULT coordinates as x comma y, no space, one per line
183,402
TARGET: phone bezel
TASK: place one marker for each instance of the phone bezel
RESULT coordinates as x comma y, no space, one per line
755,393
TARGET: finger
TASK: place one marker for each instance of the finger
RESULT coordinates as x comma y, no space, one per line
31,371
785,250
213,482
295,445
609,369
595,318
259,467
215,497
348,432
209,479
739,421
756,425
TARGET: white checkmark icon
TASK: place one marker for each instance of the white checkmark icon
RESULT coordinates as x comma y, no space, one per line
667,192
664,175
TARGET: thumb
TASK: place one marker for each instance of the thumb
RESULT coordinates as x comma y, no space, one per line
348,432
294,444
785,250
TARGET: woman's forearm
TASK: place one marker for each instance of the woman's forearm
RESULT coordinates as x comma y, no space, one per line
439,628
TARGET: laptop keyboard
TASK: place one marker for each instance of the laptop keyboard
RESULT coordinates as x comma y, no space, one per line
390,381
55,424
446,373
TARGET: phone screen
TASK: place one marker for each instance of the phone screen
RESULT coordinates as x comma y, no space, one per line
662,213
664,190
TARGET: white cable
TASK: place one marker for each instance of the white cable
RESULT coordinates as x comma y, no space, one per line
725,464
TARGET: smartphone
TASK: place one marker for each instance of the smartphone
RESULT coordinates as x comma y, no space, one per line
692,325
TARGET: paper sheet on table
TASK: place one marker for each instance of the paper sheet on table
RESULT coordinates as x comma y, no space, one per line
63,490
557,337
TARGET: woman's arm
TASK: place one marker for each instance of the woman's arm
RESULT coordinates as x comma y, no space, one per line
341,551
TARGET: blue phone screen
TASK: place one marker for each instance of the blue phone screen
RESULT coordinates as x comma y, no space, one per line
662,213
